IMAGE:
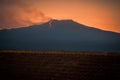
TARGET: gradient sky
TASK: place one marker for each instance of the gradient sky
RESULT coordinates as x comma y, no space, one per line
103,14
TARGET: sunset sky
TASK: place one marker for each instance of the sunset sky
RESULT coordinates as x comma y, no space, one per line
102,14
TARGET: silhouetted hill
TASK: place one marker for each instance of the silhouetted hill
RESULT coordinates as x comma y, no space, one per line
63,35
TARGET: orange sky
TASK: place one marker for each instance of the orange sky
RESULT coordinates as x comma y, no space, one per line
103,14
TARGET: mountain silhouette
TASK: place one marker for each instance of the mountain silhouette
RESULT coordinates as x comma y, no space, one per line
60,35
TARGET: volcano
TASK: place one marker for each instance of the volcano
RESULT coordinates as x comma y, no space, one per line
60,35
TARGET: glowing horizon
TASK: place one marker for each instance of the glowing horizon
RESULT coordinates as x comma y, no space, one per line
102,14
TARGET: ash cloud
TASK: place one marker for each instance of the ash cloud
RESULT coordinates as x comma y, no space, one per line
18,13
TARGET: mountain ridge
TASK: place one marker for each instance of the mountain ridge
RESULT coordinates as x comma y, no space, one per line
66,35
54,21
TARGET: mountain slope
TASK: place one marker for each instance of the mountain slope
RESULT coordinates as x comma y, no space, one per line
65,35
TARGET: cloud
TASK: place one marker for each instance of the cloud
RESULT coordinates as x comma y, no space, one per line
16,13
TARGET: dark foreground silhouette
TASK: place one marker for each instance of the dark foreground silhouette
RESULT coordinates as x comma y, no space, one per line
45,65
65,35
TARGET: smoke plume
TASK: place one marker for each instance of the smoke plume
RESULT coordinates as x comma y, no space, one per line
17,13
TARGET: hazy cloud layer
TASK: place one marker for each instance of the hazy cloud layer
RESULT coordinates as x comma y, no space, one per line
18,13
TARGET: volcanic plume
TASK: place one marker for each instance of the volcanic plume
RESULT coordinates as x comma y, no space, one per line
20,15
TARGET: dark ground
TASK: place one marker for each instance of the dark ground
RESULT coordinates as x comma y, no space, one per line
27,65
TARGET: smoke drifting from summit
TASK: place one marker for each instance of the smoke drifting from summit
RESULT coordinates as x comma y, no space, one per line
102,14
16,14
